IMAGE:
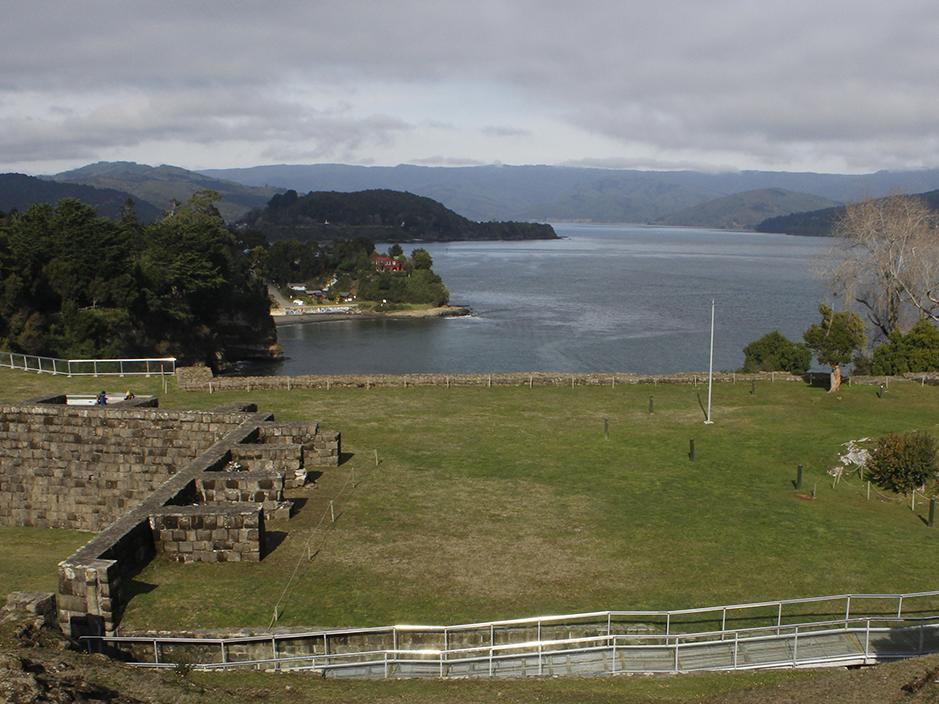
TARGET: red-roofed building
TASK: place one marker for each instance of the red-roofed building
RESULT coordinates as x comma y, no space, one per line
384,263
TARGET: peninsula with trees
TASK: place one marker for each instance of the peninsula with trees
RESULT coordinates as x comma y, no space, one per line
378,215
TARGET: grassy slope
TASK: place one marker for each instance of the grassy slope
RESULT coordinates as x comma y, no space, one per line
531,470
508,502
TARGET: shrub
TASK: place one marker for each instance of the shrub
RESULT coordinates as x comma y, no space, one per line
902,461
916,351
775,353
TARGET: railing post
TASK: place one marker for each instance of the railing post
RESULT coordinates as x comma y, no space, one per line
900,606
795,648
847,612
94,366
613,659
779,619
120,366
723,621
224,655
736,643
274,651
492,642
676,653
668,623
540,666
867,640
386,664
156,652
921,638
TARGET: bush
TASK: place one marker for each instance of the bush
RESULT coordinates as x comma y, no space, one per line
775,353
902,461
916,351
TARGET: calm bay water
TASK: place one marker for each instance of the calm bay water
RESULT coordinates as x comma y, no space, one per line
604,298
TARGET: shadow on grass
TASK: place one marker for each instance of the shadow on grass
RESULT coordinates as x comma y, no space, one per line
344,457
272,540
136,586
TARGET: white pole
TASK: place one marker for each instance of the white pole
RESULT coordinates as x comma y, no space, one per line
708,421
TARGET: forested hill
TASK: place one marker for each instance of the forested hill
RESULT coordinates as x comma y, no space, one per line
821,223
743,211
161,185
378,215
19,192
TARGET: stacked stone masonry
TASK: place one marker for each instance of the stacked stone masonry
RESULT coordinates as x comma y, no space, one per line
209,533
190,486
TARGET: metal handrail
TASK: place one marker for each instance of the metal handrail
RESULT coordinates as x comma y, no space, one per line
552,619
72,367
531,649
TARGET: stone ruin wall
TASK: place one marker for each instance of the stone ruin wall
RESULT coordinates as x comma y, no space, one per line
153,482
82,468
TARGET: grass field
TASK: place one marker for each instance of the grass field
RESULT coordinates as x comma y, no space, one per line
508,502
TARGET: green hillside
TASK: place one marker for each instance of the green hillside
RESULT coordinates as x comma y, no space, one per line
744,211
19,192
160,185
821,223
378,215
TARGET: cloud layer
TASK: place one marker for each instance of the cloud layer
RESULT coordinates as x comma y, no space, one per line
801,85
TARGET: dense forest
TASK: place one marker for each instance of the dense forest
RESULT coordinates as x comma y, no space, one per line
78,285
377,215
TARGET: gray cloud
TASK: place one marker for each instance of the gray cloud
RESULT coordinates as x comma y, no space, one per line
504,131
445,161
850,83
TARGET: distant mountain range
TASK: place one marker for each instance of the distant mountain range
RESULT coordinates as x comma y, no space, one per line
735,200
744,211
821,223
379,215
559,193
160,185
19,191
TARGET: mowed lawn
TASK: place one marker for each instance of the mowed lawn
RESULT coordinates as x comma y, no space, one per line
509,502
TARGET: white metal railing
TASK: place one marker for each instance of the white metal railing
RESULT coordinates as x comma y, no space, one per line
141,366
522,640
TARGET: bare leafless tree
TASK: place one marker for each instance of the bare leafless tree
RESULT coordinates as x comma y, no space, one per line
889,263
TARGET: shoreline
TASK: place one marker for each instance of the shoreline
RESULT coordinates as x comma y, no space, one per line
447,311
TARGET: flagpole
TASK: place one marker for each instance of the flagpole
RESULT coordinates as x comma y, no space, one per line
708,420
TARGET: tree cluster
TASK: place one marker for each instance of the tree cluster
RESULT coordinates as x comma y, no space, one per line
351,262
77,285
774,352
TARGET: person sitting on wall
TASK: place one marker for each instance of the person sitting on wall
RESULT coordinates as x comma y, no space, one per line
102,398
129,395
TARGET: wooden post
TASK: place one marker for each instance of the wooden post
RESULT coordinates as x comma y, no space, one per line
868,491
572,381
651,405
932,510
691,449
752,386
490,381
606,428
531,381
376,458
332,511
799,477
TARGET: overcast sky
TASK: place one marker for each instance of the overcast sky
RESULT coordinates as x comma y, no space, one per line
710,84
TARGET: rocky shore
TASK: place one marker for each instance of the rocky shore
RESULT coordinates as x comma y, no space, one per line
282,318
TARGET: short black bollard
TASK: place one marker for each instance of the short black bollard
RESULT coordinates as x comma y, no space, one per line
799,477
880,391
651,405
691,449
932,511
606,428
